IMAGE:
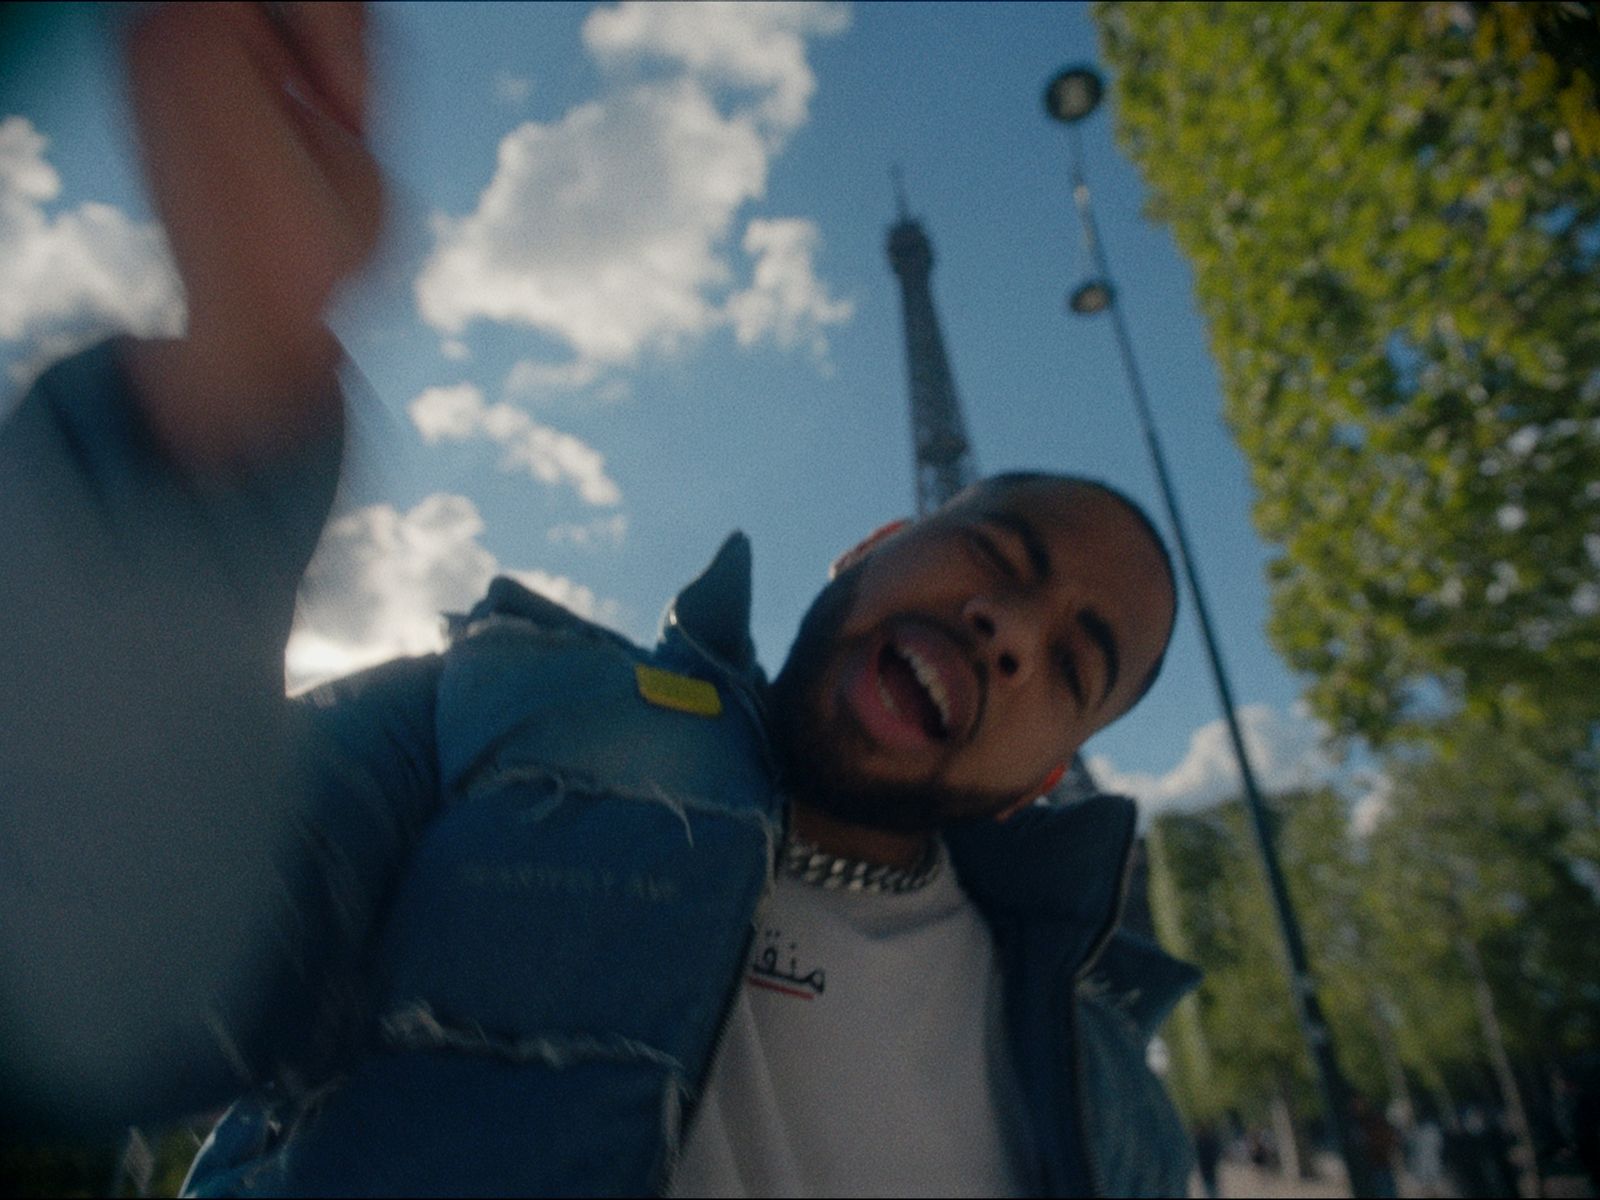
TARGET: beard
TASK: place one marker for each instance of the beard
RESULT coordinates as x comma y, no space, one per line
821,758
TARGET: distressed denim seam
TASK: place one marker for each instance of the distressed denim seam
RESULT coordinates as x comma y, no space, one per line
417,1028
579,631
578,784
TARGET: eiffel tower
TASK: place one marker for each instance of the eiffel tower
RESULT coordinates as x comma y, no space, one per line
941,452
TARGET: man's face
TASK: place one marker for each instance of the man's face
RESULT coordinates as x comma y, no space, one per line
950,670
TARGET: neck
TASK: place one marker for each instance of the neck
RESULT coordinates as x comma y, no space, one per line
848,840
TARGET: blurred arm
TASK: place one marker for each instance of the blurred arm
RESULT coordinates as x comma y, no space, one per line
150,784
159,869
191,866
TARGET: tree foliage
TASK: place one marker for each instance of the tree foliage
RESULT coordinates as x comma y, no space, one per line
1393,213
1487,846
1250,1045
1498,848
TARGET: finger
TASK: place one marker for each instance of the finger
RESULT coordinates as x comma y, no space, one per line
245,198
328,44
319,56
352,177
315,56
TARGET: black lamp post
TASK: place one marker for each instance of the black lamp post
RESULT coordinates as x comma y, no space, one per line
1069,98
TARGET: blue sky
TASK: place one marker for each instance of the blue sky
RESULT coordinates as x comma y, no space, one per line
634,295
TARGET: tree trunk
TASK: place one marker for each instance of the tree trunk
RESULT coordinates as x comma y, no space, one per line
1528,1181
1393,1071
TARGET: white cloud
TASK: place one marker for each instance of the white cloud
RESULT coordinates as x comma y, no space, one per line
535,383
602,228
530,380
381,578
70,277
24,173
755,46
459,413
1375,802
598,532
610,228
512,89
447,412
785,301
1285,754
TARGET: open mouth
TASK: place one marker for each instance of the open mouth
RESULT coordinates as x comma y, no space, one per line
915,689
910,688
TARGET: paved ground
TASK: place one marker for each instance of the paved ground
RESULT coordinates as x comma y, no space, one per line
1244,1180
1252,1183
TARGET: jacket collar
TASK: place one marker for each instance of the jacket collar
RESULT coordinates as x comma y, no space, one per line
1065,862
1067,866
710,618
1142,979
712,614
509,599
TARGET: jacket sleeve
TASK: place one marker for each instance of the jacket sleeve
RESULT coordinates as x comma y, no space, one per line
159,797
367,749
1139,1142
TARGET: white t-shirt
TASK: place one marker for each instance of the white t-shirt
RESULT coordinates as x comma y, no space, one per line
864,1056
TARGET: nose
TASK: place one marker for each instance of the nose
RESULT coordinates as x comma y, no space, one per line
1009,638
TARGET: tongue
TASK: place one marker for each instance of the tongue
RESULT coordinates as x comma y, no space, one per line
910,698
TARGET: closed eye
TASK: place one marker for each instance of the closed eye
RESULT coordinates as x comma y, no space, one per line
992,552
1067,667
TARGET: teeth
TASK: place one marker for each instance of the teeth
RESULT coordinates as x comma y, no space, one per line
888,700
932,684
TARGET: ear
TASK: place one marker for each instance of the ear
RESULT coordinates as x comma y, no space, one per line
1048,783
866,546
1045,787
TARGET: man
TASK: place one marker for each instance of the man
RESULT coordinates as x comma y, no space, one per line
581,914
939,683
526,933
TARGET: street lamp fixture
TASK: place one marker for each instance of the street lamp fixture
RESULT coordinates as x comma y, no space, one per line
1090,297
1071,96
1074,94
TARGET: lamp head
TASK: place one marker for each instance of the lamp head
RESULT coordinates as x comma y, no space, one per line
1074,94
1090,297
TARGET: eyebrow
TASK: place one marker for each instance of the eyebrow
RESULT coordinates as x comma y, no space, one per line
1032,543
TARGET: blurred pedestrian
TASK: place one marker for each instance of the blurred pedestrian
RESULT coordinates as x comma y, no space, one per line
1208,1155
1376,1144
1579,1111
1476,1158
1259,1149
1425,1156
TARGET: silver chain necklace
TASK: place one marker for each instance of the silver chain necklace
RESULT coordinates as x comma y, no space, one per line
808,863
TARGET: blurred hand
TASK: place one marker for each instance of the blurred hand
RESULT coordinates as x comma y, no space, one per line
251,119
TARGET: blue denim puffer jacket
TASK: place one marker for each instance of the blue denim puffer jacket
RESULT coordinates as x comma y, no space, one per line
567,925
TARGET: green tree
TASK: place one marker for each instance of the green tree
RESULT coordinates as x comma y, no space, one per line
1485,849
1393,212
1210,903
1486,843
